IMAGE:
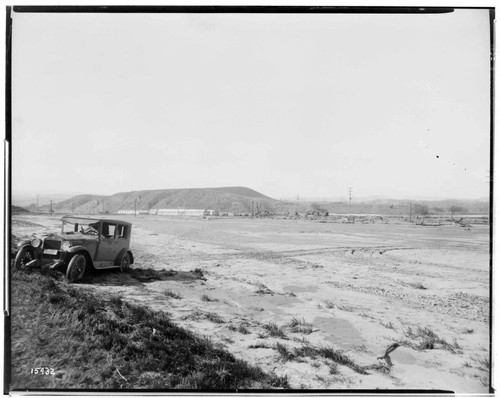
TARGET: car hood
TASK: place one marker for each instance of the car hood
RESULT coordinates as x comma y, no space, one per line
73,238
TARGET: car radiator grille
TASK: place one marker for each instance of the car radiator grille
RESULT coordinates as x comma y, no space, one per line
52,244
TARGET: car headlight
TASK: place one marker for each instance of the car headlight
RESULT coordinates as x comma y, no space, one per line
36,242
65,245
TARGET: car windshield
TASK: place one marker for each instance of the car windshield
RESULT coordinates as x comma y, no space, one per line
85,227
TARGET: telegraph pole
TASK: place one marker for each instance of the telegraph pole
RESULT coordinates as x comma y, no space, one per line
350,198
73,207
135,207
51,211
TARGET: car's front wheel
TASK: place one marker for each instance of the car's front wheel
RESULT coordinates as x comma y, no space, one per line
125,262
76,268
23,257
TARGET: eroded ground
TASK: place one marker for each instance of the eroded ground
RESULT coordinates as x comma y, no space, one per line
281,293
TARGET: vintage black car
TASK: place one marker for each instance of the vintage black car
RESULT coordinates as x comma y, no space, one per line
83,244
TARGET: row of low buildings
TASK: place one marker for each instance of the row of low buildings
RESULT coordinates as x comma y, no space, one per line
172,212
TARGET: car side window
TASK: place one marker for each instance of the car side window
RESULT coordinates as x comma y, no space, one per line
108,230
122,232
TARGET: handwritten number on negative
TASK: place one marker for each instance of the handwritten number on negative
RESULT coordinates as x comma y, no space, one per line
43,371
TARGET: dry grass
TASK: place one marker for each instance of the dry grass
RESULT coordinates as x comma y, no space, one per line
329,304
207,298
389,325
264,290
197,315
300,326
428,340
198,272
97,343
243,329
174,295
259,345
337,357
417,285
240,329
484,363
274,330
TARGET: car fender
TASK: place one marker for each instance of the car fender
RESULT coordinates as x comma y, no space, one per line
24,242
37,251
83,250
121,254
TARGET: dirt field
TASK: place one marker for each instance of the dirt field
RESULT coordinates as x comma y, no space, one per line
274,285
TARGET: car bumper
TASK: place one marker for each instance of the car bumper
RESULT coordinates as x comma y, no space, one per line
53,261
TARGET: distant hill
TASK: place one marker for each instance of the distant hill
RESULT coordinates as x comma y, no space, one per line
246,200
18,210
26,198
226,199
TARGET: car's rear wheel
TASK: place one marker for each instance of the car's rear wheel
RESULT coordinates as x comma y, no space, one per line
125,262
76,268
23,257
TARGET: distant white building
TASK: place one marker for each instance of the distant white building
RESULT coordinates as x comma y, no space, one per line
180,212
168,212
126,211
136,212
194,212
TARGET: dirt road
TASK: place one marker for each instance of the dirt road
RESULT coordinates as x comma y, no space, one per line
276,292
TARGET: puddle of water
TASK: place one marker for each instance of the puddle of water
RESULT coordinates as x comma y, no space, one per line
339,330
297,288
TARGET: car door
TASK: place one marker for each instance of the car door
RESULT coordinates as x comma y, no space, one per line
108,245
123,237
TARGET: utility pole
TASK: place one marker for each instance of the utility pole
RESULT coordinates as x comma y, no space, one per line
350,198
51,211
73,207
135,208
410,210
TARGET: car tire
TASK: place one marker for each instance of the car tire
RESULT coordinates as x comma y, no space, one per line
76,268
23,257
125,263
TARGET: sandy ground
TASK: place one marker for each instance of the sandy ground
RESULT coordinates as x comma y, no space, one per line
359,287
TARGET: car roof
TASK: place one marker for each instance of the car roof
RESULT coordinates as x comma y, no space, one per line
87,220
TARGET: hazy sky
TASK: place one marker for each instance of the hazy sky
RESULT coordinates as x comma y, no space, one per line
285,104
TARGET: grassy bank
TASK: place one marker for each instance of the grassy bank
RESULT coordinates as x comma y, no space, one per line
88,342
